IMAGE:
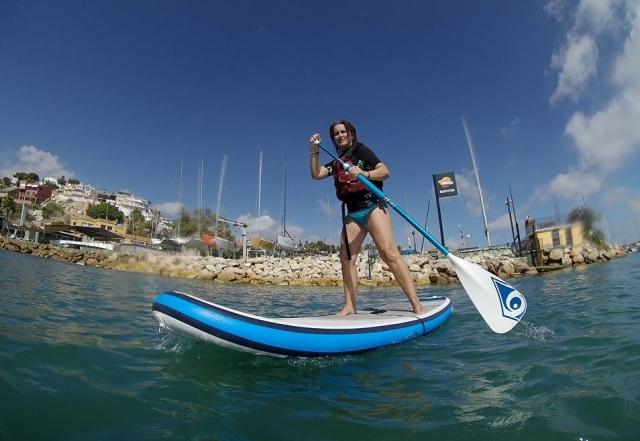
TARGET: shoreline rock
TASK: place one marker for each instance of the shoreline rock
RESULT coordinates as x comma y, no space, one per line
308,270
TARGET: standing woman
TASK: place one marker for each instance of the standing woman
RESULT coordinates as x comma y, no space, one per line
366,213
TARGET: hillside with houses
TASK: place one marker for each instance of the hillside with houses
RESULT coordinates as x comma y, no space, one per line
32,204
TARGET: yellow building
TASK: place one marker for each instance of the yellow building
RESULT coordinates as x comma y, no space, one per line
109,225
548,236
105,224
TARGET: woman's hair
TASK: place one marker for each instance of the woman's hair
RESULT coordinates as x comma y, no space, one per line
350,129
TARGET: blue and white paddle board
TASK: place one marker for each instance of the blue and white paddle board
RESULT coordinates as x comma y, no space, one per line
298,336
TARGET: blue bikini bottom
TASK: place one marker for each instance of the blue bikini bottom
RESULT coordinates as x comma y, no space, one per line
361,216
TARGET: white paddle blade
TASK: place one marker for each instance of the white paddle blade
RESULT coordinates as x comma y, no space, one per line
499,304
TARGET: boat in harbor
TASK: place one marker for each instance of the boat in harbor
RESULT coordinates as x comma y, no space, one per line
219,243
262,243
284,241
259,242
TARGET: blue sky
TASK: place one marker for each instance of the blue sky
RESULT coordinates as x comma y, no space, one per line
119,94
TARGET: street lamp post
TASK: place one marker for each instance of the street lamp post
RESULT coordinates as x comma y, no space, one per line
508,204
461,236
515,219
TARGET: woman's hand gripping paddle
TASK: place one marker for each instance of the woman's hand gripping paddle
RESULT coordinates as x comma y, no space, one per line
499,304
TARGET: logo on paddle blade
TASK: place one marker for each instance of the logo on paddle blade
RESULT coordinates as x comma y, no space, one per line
513,303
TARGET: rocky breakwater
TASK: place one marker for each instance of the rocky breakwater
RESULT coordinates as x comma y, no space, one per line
565,257
303,270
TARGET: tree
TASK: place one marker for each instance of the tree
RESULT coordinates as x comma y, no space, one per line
588,218
52,209
29,177
137,225
223,231
186,224
146,227
8,206
105,211
136,215
318,247
153,223
62,181
6,181
51,185
73,182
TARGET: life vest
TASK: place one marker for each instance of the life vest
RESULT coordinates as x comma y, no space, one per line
346,185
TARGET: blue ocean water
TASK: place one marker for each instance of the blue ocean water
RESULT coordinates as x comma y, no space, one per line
81,359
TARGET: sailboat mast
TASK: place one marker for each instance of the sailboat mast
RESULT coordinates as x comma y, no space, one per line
259,191
224,167
180,197
284,193
475,169
329,216
200,197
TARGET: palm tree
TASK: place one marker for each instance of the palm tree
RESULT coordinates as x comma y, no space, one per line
8,206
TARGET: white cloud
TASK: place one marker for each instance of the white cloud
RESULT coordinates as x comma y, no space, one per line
295,231
509,130
628,65
599,16
501,224
325,207
572,185
623,196
634,204
576,63
468,191
556,9
31,160
169,209
608,139
267,226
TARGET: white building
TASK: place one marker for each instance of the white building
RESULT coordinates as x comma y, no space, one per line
50,180
126,203
77,193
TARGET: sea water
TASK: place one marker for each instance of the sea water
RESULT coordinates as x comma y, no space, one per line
81,359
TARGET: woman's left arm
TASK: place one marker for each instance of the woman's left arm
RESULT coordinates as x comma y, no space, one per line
379,173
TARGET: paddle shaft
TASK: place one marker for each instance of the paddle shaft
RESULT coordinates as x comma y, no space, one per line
375,190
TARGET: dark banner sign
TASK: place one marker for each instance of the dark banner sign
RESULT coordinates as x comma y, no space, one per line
445,184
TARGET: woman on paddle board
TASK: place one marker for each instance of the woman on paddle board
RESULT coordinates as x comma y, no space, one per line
366,213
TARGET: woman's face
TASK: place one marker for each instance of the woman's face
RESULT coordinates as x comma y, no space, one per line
341,136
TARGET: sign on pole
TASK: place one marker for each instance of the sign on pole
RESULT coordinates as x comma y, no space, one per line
444,185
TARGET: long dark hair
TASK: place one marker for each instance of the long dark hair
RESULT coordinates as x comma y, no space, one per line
350,129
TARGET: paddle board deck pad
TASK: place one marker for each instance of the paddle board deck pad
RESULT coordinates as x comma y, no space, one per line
298,336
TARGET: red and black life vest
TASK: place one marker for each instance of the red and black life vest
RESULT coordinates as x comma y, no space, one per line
346,185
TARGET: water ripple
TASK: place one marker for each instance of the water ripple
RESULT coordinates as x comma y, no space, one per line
81,354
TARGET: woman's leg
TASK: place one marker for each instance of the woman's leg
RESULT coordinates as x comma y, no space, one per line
356,235
379,225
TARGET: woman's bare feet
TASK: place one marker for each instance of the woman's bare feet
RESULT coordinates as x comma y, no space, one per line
347,310
418,308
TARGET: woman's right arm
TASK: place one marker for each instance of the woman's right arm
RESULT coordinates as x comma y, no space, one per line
317,171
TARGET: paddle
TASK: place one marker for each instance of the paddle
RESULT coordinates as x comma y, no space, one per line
499,304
